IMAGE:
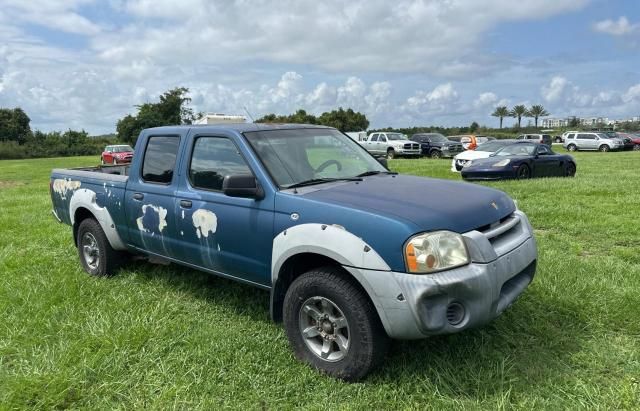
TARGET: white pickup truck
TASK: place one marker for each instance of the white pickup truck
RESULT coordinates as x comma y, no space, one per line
391,145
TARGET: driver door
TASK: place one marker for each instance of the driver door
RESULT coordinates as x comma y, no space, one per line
546,161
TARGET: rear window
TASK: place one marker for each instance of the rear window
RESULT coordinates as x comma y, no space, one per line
160,159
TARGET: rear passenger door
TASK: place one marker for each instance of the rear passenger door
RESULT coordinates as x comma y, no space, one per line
149,199
588,141
229,235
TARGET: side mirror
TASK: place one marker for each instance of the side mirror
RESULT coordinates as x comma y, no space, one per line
242,185
383,161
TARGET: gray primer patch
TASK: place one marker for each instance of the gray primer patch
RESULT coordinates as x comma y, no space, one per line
62,186
153,219
205,222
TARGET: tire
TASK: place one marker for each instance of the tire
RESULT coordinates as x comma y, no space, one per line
435,154
558,140
97,256
572,147
101,161
391,154
322,310
115,162
570,171
636,147
603,148
523,172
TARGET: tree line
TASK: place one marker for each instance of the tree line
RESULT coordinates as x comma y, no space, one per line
18,141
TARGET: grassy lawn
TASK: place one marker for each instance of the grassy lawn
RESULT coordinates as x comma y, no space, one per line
168,337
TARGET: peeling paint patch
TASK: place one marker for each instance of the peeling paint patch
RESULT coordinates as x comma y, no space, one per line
204,221
153,219
61,186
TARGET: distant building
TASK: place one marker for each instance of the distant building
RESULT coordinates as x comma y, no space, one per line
586,121
554,122
217,118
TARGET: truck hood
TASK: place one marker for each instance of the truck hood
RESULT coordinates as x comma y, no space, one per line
430,204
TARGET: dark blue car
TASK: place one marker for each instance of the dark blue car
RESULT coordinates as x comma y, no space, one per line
521,160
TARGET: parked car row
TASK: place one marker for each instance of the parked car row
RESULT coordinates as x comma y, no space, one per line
608,140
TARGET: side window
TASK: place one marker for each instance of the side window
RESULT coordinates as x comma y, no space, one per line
160,159
586,136
383,138
213,159
374,137
571,136
520,137
542,150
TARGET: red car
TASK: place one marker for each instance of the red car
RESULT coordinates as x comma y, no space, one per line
118,154
635,139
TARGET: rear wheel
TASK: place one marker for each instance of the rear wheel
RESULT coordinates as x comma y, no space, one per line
572,147
332,325
636,146
391,154
436,154
603,148
558,140
523,172
570,170
97,256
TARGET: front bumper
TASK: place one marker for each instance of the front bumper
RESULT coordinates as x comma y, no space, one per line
489,173
416,306
408,152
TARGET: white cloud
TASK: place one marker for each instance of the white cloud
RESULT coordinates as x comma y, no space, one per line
331,35
632,94
620,27
485,99
555,89
439,100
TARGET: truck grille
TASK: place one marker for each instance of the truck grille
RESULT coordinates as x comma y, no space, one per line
412,146
505,234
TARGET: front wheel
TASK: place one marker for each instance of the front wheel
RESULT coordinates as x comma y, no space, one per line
97,256
333,326
604,148
636,147
572,147
391,154
436,154
115,162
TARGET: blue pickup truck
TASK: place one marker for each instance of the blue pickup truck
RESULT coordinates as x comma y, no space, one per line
351,253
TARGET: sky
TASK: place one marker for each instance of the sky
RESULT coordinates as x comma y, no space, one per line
84,64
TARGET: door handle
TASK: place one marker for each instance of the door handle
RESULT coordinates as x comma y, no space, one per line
185,203
138,196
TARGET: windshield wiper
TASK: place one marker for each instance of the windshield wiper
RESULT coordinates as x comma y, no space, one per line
314,181
373,173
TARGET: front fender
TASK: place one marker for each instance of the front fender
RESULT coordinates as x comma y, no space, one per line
328,240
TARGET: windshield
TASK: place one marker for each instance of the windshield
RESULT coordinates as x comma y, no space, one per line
491,146
122,149
396,136
298,155
517,150
437,138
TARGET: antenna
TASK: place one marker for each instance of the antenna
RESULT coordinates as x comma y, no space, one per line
248,114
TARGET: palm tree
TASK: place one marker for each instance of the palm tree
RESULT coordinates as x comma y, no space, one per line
537,111
501,112
518,112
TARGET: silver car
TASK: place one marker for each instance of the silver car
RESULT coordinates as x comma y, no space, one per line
591,141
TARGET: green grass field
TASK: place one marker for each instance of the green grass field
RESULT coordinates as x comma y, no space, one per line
165,337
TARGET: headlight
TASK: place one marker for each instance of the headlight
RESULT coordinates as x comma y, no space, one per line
501,163
437,251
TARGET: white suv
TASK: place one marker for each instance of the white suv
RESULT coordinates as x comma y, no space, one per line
591,141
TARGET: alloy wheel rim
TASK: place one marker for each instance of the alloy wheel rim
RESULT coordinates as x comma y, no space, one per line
90,251
324,329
